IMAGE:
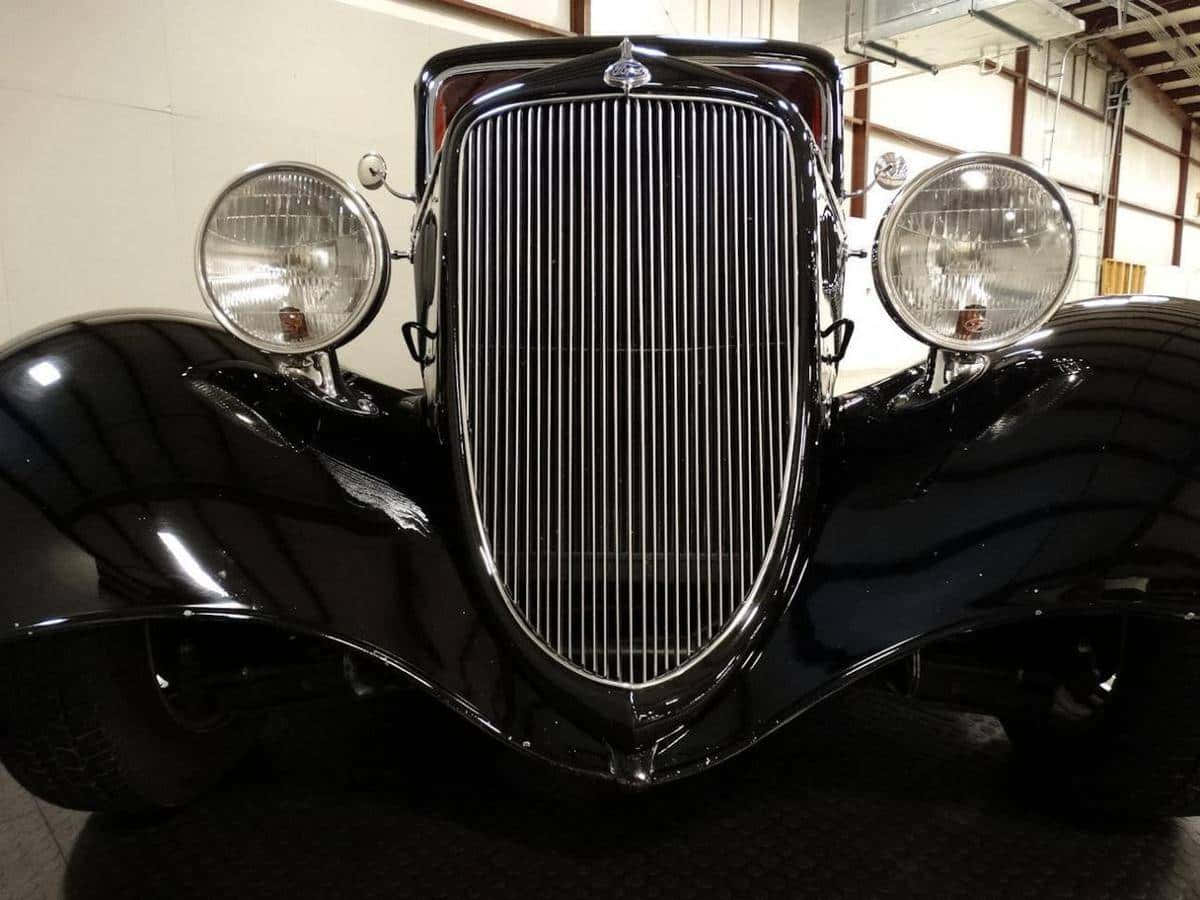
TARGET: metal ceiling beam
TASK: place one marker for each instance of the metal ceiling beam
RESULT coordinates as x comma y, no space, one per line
1100,19
1153,59
1145,37
1126,65
1166,76
1168,67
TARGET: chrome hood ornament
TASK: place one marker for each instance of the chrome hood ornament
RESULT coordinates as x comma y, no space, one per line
627,72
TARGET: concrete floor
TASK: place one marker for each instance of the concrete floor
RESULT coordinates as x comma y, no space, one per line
866,796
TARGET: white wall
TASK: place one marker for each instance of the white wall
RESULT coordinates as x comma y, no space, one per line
958,107
120,119
1191,251
1088,222
1078,143
1143,238
751,18
549,12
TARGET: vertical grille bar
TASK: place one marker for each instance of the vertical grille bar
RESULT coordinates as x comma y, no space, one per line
627,364
677,283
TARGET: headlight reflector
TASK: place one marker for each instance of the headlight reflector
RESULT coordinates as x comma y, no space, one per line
291,259
976,252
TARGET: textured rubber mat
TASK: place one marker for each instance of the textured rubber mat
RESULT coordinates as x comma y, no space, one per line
866,796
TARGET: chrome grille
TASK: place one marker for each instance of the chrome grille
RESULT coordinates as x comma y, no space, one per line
627,367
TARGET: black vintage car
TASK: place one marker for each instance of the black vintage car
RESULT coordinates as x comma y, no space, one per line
626,527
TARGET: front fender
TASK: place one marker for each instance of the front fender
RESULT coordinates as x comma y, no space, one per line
1064,479
154,466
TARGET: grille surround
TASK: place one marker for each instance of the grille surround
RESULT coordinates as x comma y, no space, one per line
791,389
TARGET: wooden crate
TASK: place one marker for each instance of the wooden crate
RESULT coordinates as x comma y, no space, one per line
1118,277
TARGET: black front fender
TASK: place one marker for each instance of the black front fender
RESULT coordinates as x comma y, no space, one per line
1063,479
153,466
164,469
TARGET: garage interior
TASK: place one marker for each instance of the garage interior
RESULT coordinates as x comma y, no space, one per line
118,120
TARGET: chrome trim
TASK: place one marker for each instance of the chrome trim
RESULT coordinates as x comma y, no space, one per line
371,298
429,197
373,174
748,60
626,73
949,369
319,374
882,278
689,259
946,371
891,171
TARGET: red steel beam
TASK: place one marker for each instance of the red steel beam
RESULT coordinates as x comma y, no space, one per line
861,129
1185,148
1113,203
1016,139
581,15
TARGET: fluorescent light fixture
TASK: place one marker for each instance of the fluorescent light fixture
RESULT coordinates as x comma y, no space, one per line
190,566
45,373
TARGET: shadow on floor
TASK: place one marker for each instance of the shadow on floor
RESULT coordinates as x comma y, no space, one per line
865,797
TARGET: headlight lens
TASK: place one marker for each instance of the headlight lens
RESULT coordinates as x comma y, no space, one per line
291,259
976,253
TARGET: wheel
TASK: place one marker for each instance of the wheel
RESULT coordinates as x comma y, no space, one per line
1131,747
83,724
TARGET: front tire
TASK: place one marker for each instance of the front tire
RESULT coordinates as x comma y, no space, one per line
84,725
1141,756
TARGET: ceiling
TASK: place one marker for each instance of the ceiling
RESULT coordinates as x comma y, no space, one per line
1159,40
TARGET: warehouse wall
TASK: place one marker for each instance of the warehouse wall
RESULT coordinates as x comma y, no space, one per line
119,119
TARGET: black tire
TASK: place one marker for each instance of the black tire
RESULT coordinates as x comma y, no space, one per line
1141,757
84,725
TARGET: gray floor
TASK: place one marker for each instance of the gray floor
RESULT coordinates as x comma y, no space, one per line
865,797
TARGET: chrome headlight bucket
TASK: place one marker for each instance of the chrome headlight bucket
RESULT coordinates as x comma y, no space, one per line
291,259
975,253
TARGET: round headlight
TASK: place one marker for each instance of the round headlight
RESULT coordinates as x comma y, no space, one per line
975,253
291,259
